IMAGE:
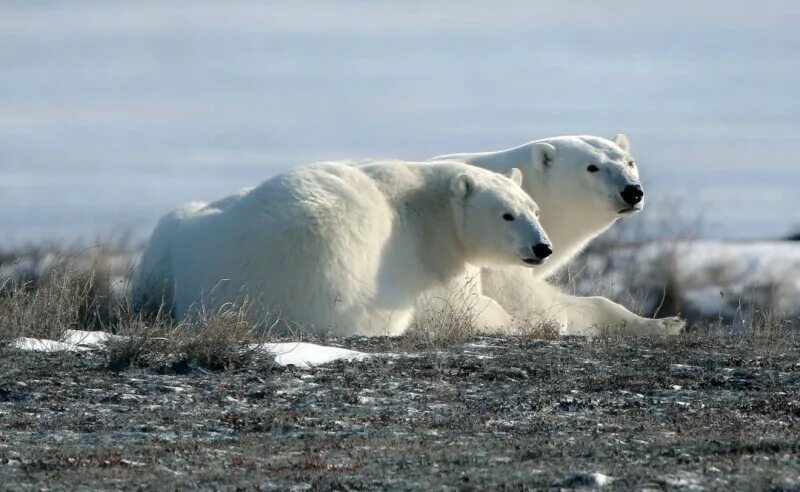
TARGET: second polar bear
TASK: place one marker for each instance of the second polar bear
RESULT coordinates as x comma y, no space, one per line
342,249
583,185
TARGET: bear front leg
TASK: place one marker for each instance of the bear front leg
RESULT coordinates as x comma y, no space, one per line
598,316
490,317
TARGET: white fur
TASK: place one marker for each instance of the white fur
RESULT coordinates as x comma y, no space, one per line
576,206
338,248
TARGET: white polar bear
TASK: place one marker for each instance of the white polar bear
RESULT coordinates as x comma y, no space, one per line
583,184
341,249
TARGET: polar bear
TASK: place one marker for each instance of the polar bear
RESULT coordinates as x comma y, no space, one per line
583,185
340,248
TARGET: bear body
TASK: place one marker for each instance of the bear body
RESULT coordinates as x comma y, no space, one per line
339,248
583,185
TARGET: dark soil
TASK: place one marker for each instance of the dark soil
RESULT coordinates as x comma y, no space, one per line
497,413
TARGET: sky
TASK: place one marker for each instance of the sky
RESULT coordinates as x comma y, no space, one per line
113,112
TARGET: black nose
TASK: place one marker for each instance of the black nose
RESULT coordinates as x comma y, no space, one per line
542,250
632,194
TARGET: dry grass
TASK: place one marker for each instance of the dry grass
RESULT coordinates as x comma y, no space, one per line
452,319
443,322
55,302
222,341
542,326
45,292
52,292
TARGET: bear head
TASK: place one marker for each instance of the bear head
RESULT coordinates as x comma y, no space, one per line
496,221
598,174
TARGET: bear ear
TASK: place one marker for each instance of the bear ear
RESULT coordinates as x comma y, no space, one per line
462,186
543,155
622,142
515,175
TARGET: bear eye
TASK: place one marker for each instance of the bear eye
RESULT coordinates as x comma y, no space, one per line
631,163
536,214
508,217
592,168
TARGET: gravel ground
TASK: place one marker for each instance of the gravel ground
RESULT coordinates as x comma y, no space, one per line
693,411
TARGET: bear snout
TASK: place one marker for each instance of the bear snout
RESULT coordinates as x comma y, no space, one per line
632,194
542,250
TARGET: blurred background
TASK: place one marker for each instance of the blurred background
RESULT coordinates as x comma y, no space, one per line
113,112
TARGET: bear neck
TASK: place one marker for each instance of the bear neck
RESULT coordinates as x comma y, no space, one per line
422,199
501,161
569,226
570,229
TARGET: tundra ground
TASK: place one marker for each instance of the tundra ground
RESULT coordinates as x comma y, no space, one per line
696,410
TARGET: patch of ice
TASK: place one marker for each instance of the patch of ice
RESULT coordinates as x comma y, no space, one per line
301,354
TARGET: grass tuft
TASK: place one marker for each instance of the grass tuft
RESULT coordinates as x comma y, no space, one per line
46,307
44,294
224,340
444,319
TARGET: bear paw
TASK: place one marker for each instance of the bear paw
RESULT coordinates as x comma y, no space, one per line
670,326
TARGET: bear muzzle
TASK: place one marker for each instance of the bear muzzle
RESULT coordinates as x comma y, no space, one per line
632,195
540,251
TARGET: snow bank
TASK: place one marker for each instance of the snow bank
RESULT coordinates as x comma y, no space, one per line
714,276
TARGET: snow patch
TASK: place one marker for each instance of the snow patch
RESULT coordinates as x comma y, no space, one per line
601,480
301,354
71,341
91,339
41,345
